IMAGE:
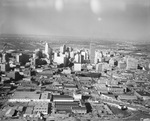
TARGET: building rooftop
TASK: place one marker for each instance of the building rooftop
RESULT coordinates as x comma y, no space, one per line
78,108
25,95
67,103
62,97
143,93
29,110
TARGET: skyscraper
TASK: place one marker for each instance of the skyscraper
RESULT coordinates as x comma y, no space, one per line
48,51
5,58
92,52
63,49
46,48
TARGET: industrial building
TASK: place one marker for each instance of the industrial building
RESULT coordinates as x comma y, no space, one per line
24,96
65,106
79,110
142,95
62,98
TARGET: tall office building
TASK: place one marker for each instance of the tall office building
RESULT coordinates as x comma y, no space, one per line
38,53
4,67
72,54
63,49
46,48
48,51
85,55
79,58
22,58
92,52
5,58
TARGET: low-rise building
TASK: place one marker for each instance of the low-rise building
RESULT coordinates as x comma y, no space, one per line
142,95
65,106
77,96
77,67
62,98
21,96
41,107
70,87
79,110
127,97
14,75
116,90
45,96
10,112
28,112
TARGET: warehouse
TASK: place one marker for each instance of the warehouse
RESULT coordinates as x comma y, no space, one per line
143,95
66,106
70,87
20,96
67,103
52,90
79,110
92,75
63,110
127,97
62,98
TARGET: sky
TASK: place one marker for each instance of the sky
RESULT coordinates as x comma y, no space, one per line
111,19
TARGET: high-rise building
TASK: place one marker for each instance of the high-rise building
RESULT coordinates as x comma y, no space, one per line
72,54
38,53
48,51
4,67
22,58
60,58
63,49
92,52
77,58
5,58
132,63
46,48
98,57
84,56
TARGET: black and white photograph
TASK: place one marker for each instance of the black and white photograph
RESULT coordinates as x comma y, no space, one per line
74,60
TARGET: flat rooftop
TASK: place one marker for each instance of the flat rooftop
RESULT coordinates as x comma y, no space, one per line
25,95
143,93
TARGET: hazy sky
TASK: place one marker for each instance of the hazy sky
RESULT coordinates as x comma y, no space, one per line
120,19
